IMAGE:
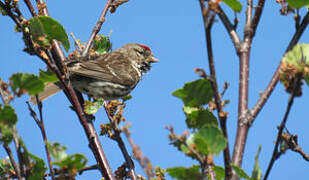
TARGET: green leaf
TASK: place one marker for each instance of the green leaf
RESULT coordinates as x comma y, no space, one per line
297,3
198,118
38,168
233,4
47,76
93,107
240,172
257,173
8,119
102,44
8,116
195,93
219,171
57,151
183,173
209,140
6,134
298,55
25,81
44,29
73,163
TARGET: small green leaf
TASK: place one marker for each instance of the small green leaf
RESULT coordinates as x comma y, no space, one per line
219,171
297,3
183,173
47,76
8,119
38,168
25,81
93,107
44,29
127,97
199,118
57,151
195,93
102,44
257,173
211,138
233,4
8,116
240,172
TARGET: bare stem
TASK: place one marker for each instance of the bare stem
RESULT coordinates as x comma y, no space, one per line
143,161
97,28
118,139
40,123
30,7
13,162
281,127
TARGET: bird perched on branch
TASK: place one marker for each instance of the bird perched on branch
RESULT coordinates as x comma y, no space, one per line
109,76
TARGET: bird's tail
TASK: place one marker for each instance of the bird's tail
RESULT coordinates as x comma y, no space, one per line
50,89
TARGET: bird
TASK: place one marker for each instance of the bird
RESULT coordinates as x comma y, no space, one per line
110,76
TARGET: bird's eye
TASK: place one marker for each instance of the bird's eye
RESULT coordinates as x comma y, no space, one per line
141,52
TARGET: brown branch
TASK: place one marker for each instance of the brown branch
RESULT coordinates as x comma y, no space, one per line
13,162
30,7
116,136
296,83
85,121
222,119
230,29
143,161
291,141
264,97
97,27
40,123
257,16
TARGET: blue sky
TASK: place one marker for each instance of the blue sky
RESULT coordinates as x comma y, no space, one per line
174,31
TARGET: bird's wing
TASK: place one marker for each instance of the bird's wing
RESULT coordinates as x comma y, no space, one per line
113,67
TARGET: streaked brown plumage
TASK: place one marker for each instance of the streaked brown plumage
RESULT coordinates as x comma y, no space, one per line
108,76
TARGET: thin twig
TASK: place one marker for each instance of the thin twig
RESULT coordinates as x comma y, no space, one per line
143,161
274,80
13,162
230,29
97,27
291,141
116,136
30,7
281,127
214,85
257,16
40,123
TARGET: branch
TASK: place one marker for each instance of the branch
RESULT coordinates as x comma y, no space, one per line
257,16
291,141
230,29
97,27
41,126
208,25
264,97
143,161
116,136
30,7
13,162
274,157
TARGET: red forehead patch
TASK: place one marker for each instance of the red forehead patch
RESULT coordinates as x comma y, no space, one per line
143,46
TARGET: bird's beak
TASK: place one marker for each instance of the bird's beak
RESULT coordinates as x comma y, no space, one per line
153,59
